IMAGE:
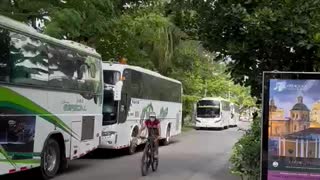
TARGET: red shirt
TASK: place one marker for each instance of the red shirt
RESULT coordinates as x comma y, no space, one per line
152,127
152,124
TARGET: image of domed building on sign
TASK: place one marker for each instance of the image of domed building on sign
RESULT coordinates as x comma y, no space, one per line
298,119
294,121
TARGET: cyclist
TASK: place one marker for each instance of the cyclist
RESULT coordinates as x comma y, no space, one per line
153,126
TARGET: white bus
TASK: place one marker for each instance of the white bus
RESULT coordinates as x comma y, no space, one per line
130,94
213,113
235,115
51,94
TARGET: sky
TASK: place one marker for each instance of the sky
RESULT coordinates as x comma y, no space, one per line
285,93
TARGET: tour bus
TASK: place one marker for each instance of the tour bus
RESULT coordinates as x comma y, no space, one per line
235,115
51,94
213,113
130,94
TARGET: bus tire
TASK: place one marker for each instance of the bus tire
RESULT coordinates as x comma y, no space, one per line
166,141
133,141
132,147
64,164
50,159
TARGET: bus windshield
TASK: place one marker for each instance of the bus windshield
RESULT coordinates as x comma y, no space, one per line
209,103
208,112
110,108
111,77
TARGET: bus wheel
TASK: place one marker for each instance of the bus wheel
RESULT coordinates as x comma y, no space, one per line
133,146
167,139
50,159
133,141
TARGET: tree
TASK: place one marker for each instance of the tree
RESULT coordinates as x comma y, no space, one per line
255,36
184,15
28,11
241,96
147,40
202,76
81,21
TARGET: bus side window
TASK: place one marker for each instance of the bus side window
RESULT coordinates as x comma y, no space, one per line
4,56
29,60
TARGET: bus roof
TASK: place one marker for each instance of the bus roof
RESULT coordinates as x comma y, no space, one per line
24,28
121,67
214,99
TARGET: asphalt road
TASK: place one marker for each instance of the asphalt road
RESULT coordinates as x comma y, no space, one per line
195,155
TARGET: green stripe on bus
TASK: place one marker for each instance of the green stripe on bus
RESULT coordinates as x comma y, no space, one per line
7,158
34,154
23,161
11,99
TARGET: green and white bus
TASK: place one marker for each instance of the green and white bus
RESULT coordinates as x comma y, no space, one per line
51,95
130,94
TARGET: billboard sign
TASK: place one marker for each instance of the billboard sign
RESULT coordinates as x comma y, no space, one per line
291,126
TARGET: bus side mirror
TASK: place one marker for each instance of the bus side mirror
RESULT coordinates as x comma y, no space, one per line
117,91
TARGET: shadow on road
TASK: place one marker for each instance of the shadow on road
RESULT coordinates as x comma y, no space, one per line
113,154
34,173
106,154
210,129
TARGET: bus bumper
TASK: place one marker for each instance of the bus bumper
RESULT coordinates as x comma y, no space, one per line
209,123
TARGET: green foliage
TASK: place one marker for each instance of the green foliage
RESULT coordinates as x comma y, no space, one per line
28,11
65,21
202,76
260,36
241,96
188,102
147,40
245,157
81,21
185,16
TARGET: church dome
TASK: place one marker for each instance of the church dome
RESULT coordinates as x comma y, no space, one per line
300,106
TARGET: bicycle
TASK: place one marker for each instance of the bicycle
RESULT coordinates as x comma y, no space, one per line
148,157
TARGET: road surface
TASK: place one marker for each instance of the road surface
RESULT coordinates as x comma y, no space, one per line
195,155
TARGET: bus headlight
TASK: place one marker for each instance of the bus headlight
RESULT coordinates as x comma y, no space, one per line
108,133
217,121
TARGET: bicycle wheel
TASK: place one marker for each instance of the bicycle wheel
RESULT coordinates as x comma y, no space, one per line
155,163
145,161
